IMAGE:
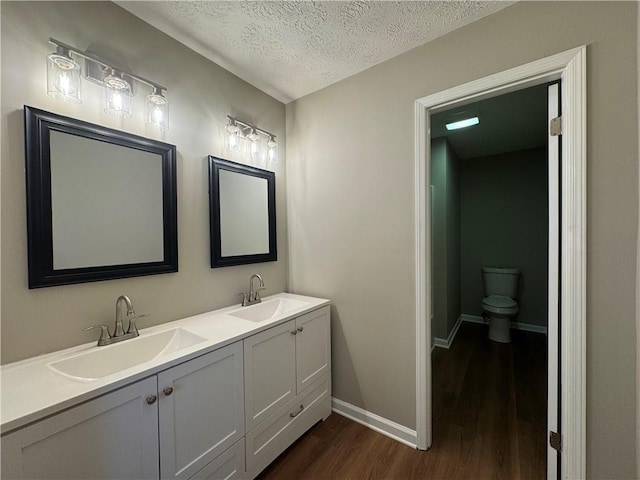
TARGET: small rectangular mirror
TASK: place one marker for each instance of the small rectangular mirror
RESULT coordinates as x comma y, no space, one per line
242,213
101,203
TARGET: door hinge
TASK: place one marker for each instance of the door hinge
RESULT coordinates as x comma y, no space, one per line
555,440
555,127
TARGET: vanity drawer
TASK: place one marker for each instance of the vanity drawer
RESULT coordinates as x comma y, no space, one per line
228,465
269,439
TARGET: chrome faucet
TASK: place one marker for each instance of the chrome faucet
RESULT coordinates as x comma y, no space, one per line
254,295
119,334
119,331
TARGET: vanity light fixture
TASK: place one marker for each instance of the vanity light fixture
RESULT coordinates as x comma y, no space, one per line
157,109
63,81
232,138
237,130
272,150
465,122
63,76
117,95
254,145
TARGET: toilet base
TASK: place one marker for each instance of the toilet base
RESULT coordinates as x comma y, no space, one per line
500,329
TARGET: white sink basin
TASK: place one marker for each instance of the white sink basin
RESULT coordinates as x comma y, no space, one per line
268,309
103,361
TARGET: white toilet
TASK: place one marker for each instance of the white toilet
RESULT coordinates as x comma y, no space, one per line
500,290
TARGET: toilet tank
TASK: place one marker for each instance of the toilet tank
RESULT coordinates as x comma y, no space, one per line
500,281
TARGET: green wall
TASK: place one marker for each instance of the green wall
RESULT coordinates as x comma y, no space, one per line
503,223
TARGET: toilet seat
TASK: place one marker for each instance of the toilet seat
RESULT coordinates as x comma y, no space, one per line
500,304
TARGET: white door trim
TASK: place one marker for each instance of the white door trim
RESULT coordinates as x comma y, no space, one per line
570,67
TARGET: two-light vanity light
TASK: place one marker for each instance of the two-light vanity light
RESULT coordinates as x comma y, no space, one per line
64,82
237,131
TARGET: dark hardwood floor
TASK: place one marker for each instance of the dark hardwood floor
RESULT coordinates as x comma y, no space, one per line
489,422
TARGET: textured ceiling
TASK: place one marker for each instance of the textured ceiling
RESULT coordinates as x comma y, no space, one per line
291,48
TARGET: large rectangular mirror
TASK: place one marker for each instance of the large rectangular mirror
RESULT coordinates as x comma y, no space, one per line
242,212
101,203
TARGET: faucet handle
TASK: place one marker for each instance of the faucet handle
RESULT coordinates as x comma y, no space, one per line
244,298
132,323
104,333
258,292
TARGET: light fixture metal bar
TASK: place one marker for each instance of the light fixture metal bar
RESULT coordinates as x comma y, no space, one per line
95,59
246,125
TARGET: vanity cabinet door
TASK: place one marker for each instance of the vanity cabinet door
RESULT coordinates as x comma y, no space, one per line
313,347
200,410
114,436
270,373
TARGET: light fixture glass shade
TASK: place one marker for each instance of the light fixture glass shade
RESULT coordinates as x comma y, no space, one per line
63,76
272,151
117,95
253,146
232,138
157,109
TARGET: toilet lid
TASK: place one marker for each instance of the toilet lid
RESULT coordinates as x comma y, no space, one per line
499,301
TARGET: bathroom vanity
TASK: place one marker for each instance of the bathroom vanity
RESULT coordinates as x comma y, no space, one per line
217,395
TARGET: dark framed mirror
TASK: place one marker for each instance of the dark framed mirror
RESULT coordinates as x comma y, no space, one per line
101,203
242,207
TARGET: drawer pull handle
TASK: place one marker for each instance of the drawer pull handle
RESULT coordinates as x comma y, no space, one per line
292,415
151,399
167,391
294,332
300,329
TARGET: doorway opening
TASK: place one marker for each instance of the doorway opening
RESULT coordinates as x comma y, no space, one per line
489,283
570,69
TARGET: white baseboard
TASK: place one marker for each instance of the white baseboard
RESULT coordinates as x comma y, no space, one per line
375,422
465,317
446,343
527,327
472,318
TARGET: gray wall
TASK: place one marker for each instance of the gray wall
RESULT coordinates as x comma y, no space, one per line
454,239
445,229
351,207
201,95
503,222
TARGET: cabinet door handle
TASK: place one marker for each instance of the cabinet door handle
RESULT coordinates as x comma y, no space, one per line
294,332
167,391
292,415
300,329
151,399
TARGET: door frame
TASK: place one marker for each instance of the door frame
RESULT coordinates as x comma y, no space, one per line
570,68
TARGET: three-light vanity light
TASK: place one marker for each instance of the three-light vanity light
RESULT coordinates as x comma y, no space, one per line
237,131
64,83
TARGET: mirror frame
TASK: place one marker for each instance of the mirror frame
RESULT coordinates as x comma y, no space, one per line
38,125
217,260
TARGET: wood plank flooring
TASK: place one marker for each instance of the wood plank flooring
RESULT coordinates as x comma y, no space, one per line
489,414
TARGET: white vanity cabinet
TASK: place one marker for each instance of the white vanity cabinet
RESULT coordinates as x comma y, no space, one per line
171,425
225,413
287,385
200,411
112,436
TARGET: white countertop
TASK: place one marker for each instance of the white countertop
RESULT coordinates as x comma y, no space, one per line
31,390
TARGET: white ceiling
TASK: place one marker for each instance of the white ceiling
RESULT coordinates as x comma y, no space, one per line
289,49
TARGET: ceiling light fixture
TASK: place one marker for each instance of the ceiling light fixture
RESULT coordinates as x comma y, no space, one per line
237,130
63,82
466,122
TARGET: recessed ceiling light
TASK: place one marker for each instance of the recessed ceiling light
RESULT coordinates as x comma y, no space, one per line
467,122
